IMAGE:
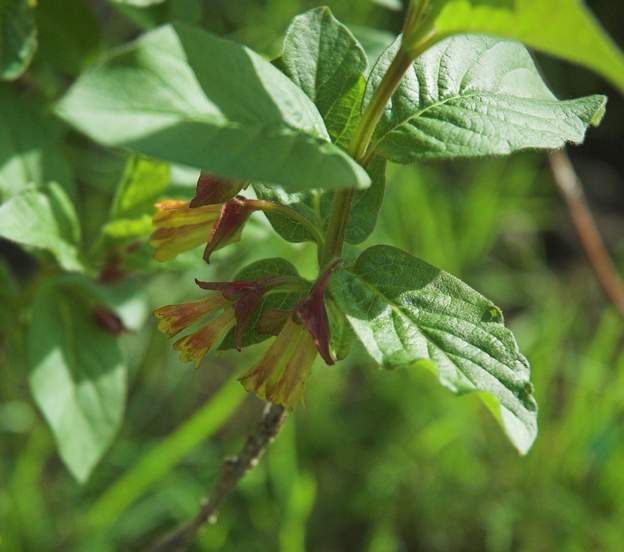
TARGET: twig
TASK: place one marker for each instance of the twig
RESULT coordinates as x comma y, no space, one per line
232,471
571,189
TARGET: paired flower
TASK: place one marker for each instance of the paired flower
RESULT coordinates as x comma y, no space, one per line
281,374
214,217
175,318
233,305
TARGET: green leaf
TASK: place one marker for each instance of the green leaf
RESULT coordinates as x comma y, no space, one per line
316,208
77,377
472,96
366,204
304,203
142,183
183,95
31,146
18,38
564,28
44,219
255,271
341,335
326,61
71,50
406,312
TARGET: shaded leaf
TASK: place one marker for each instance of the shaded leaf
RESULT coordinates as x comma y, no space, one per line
18,38
303,203
72,49
316,207
183,95
366,204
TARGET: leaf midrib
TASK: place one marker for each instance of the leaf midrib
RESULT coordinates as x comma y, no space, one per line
423,328
439,103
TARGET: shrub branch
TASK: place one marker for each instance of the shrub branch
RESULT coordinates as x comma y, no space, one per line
571,189
232,471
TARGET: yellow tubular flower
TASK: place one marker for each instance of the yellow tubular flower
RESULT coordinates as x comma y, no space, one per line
281,374
193,347
172,319
179,227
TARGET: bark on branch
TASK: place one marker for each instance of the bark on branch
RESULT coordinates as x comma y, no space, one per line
571,189
232,471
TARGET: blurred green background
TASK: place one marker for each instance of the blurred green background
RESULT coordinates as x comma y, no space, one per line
375,461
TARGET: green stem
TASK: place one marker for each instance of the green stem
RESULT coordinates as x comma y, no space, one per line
343,199
288,212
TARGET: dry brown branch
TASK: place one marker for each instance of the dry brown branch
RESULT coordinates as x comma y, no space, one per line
571,189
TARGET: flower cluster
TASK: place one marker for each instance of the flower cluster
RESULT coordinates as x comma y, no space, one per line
236,307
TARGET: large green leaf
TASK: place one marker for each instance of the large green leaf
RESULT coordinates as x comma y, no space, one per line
77,377
326,61
44,219
18,37
564,28
183,95
406,312
30,146
475,95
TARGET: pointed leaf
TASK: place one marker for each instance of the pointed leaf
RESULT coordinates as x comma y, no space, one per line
186,96
474,95
405,311
326,61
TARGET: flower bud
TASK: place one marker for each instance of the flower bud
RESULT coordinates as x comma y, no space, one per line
214,189
228,227
313,313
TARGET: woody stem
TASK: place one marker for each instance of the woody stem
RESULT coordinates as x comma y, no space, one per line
232,471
